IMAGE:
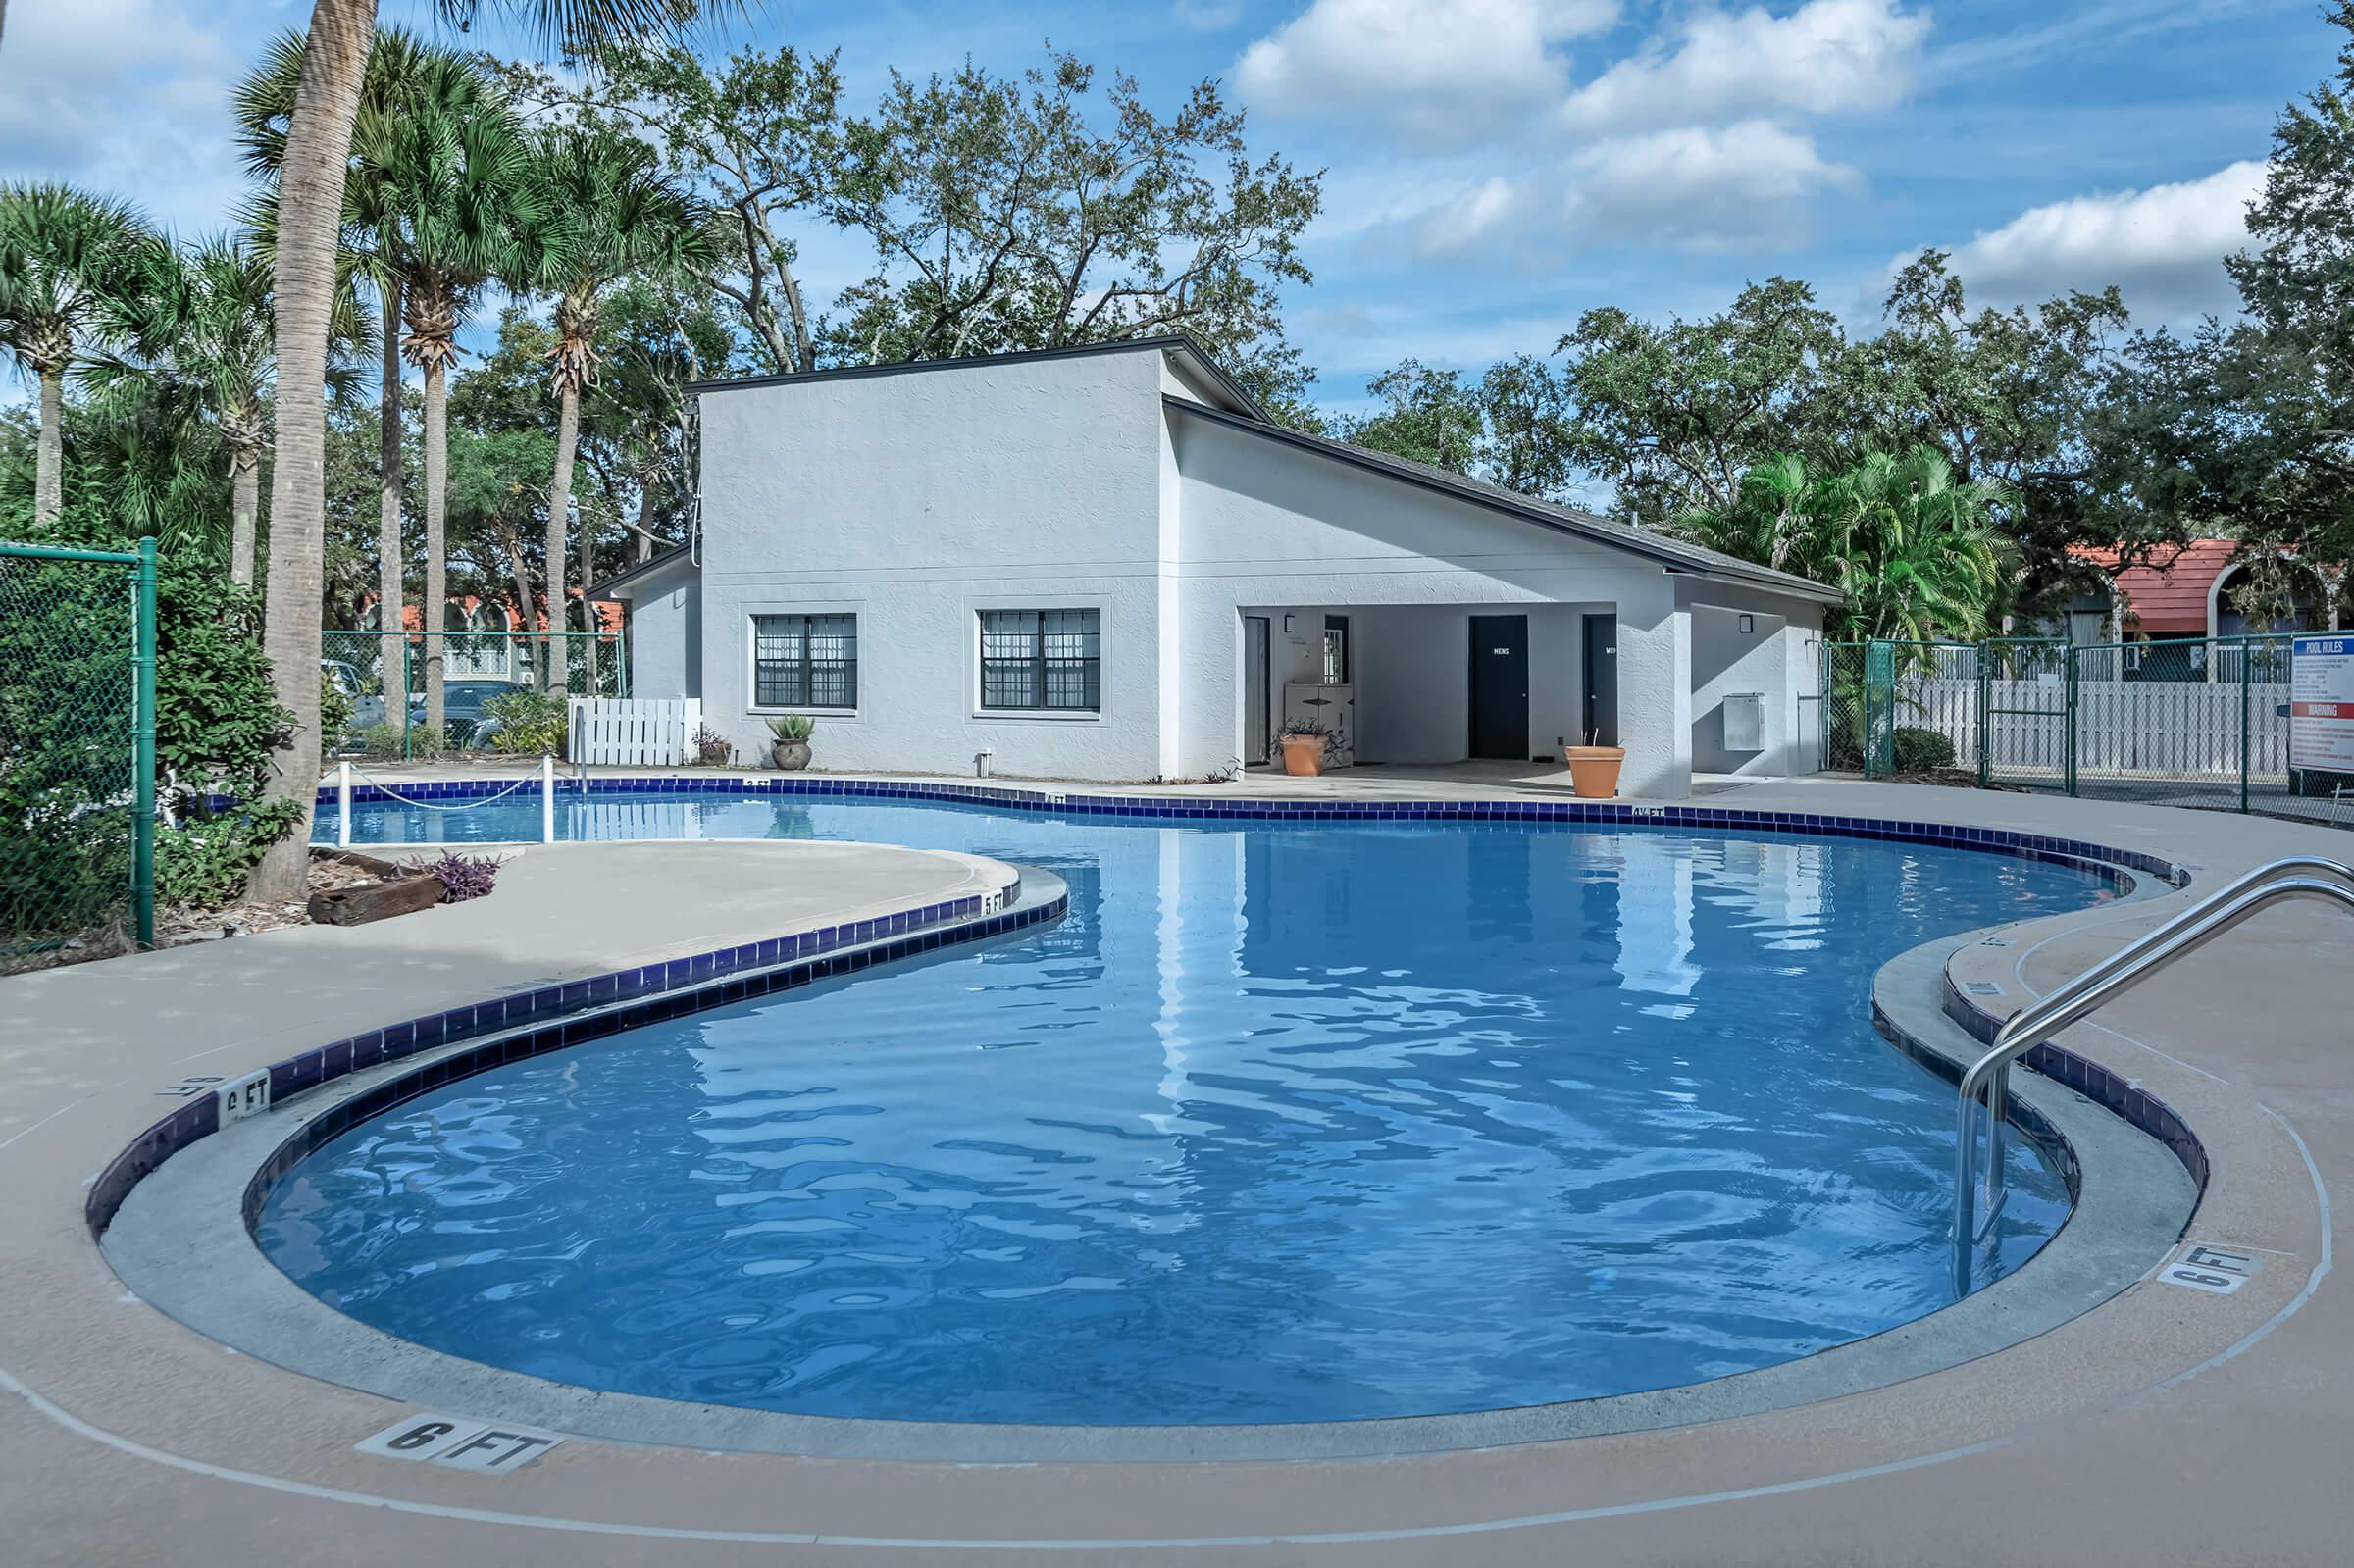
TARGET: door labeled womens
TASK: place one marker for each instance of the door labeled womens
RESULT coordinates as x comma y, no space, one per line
1499,687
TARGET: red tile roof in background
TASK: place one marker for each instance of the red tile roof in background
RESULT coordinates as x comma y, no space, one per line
2168,600
609,614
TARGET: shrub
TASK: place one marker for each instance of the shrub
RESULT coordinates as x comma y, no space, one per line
530,723
1920,750
383,741
201,863
462,877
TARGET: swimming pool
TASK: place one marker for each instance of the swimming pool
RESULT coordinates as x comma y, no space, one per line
1283,1122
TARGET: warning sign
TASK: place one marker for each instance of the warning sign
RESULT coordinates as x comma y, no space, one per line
2321,704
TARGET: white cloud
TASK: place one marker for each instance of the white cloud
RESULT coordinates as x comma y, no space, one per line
1688,189
1701,188
1208,15
1826,57
126,97
1438,71
2163,246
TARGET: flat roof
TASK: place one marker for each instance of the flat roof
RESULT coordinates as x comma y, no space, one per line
1162,342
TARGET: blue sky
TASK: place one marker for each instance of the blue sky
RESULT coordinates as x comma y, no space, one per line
1493,166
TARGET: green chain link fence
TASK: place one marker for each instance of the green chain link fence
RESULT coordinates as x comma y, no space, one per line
381,676
77,752
2197,721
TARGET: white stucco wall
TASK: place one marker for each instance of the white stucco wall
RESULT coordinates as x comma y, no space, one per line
1777,658
914,501
666,633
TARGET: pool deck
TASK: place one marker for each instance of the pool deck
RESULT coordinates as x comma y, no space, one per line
2169,1425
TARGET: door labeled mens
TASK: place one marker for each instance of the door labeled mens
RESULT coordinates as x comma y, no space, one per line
1499,687
1599,714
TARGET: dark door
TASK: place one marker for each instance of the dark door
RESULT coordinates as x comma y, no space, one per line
1256,731
1499,687
1600,715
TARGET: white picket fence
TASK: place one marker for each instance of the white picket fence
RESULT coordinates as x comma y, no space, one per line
2183,728
632,732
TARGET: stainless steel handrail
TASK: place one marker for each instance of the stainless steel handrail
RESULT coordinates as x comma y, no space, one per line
1988,1077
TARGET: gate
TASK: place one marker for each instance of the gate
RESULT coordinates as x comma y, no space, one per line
2027,701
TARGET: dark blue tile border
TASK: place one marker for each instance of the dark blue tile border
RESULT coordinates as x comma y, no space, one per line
668,990
2072,852
2088,1078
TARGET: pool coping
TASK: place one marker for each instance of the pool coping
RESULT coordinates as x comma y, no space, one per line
2135,1217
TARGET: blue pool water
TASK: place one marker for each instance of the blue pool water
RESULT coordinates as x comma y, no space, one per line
1282,1123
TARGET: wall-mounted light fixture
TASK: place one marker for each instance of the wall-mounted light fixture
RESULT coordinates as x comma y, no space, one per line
1749,623
1287,622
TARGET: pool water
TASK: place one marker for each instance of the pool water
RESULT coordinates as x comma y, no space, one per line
1306,1122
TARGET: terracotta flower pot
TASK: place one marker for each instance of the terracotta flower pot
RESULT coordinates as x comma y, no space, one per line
1304,755
1594,770
789,755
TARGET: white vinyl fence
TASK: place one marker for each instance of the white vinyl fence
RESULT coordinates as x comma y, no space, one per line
2176,728
625,731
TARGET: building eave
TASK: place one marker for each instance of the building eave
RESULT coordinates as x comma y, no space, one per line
644,568
1675,557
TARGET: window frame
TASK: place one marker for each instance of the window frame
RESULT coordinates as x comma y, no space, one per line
1043,662
809,667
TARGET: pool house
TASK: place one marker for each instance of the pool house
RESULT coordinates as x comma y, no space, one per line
1108,563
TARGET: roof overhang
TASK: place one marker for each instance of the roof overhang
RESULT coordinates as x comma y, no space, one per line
1560,519
636,575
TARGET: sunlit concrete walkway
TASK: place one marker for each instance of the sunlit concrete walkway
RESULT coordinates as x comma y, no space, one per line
2168,1426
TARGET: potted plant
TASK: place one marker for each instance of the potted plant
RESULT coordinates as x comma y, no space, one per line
791,753
711,748
1304,743
1594,770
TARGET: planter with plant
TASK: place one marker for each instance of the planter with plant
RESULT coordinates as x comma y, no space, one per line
1594,770
791,751
1304,744
712,749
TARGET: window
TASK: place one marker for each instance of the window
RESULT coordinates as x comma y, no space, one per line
1041,659
804,661
1336,650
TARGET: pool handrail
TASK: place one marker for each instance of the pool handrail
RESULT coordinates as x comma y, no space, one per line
1988,1077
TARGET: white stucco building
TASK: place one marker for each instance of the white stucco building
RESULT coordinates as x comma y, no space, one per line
1106,564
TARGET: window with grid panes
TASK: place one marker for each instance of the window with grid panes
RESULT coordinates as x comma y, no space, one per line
804,661
1041,660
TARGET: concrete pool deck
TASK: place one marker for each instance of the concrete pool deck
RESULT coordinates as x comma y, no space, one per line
2168,1425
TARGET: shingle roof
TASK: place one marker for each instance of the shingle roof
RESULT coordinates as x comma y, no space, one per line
1647,542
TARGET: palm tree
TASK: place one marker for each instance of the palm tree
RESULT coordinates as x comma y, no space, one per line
64,254
604,216
1916,553
452,180
404,76
310,200
201,321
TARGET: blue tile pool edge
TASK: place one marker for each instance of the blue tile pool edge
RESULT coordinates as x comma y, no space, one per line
2123,1096
2077,853
657,991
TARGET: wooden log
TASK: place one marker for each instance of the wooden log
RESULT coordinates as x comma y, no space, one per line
375,900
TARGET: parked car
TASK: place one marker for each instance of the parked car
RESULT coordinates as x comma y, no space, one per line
463,721
366,709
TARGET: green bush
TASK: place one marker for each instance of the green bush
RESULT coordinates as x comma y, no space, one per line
383,742
1920,750
201,863
530,723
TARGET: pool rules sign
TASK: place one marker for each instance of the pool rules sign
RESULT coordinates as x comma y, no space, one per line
2321,704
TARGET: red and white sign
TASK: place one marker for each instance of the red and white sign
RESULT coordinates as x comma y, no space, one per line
2321,704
